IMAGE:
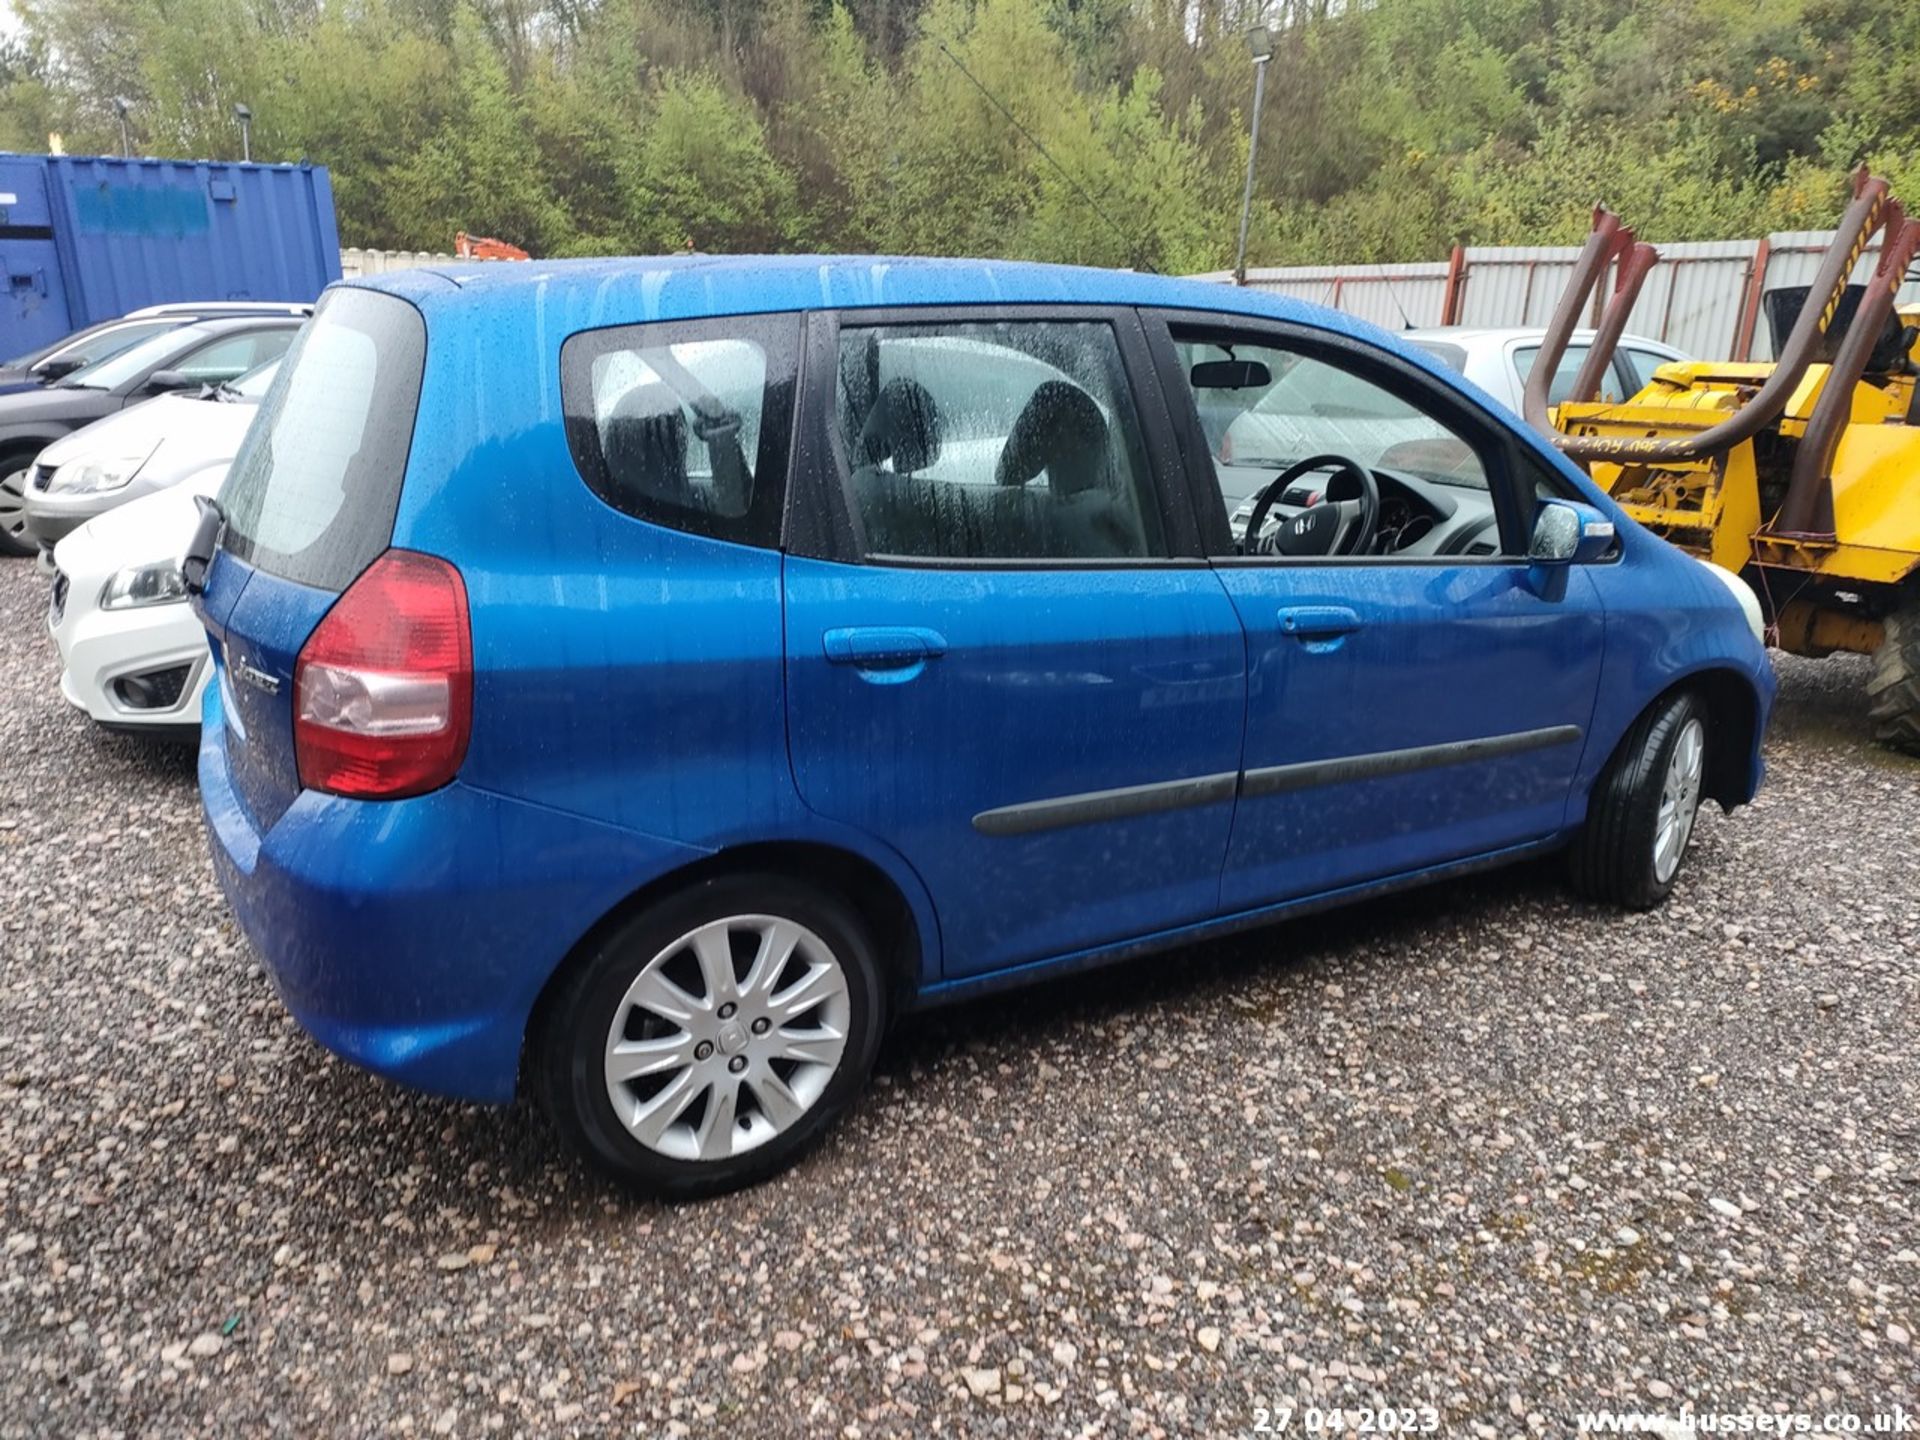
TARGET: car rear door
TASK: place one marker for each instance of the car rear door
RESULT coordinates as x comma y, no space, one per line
1006,658
1406,709
309,502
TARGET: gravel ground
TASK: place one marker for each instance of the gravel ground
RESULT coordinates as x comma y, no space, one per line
1480,1148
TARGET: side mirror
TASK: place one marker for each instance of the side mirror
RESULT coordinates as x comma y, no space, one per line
1566,532
50,370
163,381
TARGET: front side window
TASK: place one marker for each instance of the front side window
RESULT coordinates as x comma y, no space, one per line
994,440
1266,408
685,423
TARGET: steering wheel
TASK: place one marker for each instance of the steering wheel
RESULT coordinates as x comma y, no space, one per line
1333,527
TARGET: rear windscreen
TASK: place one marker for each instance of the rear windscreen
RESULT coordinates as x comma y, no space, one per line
1454,357
311,495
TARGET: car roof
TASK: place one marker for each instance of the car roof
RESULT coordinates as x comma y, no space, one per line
212,308
227,324
1501,334
632,289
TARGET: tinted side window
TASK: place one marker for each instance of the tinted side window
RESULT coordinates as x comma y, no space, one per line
686,423
312,494
998,440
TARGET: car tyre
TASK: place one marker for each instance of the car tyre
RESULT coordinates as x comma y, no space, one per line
711,1039
1893,689
14,539
1642,811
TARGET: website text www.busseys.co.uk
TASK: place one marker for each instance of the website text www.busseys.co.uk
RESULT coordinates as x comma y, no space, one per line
1680,1425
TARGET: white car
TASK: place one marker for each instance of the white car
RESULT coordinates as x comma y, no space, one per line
155,445
1499,360
133,655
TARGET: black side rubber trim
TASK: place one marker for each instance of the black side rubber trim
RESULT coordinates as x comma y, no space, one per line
1282,779
26,232
1096,805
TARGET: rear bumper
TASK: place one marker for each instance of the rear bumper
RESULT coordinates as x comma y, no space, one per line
412,937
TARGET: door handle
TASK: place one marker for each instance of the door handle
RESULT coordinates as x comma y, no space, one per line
883,647
1315,621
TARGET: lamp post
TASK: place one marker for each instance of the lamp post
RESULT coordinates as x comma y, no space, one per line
245,117
1260,44
121,105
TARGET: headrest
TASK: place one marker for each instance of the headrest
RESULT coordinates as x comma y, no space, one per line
647,435
1062,432
903,424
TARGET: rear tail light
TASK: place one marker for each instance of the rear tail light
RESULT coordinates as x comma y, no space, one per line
383,690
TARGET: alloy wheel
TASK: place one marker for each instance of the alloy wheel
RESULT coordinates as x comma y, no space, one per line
13,508
727,1037
1679,799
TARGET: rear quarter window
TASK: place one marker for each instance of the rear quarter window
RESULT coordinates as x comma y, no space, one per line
686,423
312,494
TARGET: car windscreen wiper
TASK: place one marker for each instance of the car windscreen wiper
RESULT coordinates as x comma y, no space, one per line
206,540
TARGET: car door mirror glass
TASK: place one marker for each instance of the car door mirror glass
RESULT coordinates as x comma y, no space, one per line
1568,533
1556,535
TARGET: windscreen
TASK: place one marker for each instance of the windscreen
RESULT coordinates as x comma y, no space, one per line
134,361
1783,308
255,384
311,495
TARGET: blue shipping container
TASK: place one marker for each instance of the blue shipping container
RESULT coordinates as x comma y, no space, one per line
86,238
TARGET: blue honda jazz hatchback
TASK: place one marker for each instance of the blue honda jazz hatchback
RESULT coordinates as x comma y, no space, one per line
640,681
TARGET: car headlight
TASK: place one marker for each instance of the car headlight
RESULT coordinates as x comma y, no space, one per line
93,477
156,584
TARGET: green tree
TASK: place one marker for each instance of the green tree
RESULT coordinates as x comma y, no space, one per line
473,172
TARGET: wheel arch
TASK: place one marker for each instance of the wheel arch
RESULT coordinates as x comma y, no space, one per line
27,442
1733,733
1733,721
874,895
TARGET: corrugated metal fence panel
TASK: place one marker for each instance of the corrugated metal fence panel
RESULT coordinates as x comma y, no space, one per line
378,262
1792,258
1694,297
139,232
1392,296
1513,284
1691,300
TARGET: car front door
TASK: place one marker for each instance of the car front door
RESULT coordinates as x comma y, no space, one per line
1424,699
1007,658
